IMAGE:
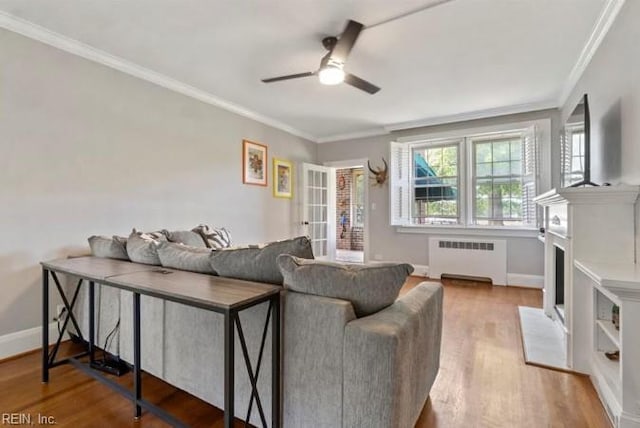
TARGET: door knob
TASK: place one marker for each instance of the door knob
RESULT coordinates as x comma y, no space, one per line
305,223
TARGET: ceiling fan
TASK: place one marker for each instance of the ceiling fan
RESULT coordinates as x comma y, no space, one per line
331,71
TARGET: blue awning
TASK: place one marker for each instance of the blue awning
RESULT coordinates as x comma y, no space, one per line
428,186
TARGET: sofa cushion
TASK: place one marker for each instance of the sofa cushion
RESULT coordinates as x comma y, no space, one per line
186,237
113,248
183,257
369,288
214,238
258,262
143,247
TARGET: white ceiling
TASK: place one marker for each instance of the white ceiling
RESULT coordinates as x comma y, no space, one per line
457,57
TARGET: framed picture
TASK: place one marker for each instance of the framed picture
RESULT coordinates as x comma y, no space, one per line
282,178
254,163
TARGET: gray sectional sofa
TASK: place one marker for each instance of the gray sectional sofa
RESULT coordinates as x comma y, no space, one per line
339,369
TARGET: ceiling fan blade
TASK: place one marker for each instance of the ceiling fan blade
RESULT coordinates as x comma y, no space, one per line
361,84
289,76
346,41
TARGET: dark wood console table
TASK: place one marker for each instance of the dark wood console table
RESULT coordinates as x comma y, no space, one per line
223,295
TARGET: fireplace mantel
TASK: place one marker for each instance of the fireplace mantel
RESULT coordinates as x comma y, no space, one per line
621,194
591,224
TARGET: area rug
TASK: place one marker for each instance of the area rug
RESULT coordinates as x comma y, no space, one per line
542,340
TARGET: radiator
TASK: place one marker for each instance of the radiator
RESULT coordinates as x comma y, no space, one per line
485,258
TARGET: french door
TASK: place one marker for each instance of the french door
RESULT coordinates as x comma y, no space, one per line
318,208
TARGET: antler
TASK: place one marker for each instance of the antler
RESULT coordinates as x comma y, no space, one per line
386,167
371,169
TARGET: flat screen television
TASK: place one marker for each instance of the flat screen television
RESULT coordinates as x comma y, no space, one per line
576,148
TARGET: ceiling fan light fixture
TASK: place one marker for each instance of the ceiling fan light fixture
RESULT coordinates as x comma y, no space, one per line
331,74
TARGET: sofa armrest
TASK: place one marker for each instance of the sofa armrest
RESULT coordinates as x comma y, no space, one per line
313,344
391,359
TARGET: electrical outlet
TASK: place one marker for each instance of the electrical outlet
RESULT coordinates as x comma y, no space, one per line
59,310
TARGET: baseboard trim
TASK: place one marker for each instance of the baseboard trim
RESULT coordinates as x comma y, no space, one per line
17,343
418,270
513,279
523,280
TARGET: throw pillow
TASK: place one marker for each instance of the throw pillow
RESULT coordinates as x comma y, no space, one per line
113,248
258,263
186,237
369,288
178,256
143,247
214,238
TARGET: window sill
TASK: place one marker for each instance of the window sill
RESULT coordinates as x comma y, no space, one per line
507,232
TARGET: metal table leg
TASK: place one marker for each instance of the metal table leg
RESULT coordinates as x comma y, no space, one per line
137,378
67,305
92,316
49,358
229,367
275,362
273,316
45,325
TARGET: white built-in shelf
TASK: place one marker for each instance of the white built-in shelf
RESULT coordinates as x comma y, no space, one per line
610,330
614,280
610,371
617,382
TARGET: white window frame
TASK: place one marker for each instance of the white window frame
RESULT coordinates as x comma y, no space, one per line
543,178
472,140
567,153
461,174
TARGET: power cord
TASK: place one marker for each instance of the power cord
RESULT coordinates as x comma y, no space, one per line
109,340
59,318
107,364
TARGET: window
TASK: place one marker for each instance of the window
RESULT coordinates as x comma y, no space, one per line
573,154
435,183
482,180
358,198
497,181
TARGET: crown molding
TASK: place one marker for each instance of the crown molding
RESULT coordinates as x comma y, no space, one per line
600,29
479,114
353,135
41,34
75,47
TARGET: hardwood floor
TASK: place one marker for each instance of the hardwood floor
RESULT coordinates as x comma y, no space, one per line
483,381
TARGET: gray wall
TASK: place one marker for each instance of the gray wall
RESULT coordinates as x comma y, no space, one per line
89,150
525,255
612,81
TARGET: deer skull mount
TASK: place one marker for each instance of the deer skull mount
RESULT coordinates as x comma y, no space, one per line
379,174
